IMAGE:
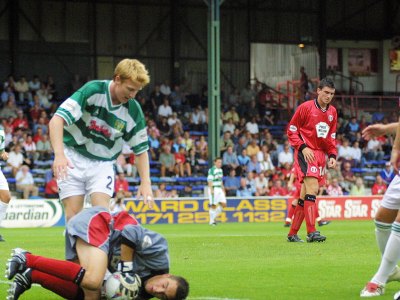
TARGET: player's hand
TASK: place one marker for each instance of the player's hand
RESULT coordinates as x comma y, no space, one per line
60,166
373,131
146,192
331,163
4,155
308,154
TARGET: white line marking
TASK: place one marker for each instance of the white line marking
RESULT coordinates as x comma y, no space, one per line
9,283
213,298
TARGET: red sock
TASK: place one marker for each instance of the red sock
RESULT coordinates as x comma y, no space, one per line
309,212
316,210
298,218
63,288
290,213
62,269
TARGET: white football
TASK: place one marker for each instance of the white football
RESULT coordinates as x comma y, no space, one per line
113,287
121,287
397,296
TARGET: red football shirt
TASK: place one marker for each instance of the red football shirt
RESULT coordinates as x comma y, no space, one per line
314,127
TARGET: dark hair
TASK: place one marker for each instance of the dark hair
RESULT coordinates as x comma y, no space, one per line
326,82
182,290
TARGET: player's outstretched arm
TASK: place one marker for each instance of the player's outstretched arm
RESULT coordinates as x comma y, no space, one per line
394,157
379,129
144,190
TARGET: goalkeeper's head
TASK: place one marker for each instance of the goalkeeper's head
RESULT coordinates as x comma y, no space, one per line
167,287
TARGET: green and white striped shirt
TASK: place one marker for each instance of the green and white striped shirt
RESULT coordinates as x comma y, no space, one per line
96,128
2,139
215,175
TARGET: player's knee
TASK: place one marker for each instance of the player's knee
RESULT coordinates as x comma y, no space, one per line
91,282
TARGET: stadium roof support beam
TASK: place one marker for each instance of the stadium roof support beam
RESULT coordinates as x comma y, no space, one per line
13,33
214,86
322,38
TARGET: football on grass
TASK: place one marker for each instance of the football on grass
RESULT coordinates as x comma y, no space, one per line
120,287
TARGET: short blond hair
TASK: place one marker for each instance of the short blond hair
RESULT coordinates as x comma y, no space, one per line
132,69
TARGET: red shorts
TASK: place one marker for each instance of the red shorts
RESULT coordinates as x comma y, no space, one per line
316,169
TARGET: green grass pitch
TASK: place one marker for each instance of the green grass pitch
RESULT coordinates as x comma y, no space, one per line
244,260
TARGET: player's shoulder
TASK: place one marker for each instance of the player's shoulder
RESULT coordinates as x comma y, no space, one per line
95,87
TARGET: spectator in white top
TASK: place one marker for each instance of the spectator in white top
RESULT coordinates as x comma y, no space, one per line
25,183
264,158
229,126
198,119
173,119
34,84
346,152
252,126
15,159
374,150
165,89
357,154
165,110
22,88
286,156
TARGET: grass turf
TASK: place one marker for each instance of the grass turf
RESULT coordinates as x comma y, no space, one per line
244,260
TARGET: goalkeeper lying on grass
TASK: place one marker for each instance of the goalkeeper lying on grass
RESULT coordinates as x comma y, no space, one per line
98,243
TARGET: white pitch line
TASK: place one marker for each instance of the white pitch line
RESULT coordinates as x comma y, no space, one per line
217,235
213,298
9,283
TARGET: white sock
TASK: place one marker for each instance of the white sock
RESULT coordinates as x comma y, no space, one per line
382,233
212,215
3,210
218,211
390,257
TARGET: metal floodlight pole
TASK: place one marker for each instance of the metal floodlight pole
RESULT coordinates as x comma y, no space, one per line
214,86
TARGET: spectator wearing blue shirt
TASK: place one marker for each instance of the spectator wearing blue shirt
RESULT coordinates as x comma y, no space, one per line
245,189
254,165
154,145
244,160
230,161
351,129
231,183
387,173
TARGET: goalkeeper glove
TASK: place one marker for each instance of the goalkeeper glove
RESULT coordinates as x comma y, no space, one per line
125,267
131,284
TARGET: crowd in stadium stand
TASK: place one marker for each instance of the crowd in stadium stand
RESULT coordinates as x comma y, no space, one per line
257,158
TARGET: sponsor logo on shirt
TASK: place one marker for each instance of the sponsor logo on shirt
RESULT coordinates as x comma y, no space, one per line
330,118
292,128
119,125
322,129
99,129
333,135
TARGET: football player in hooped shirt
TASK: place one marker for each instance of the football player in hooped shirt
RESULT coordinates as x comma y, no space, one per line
312,133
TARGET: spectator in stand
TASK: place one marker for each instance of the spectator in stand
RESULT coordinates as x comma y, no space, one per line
165,88
379,187
122,164
41,123
242,124
29,147
193,160
161,192
178,142
167,161
154,144
374,150
44,149
9,110
245,189
8,93
34,84
156,97
254,165
152,126
188,141
51,188
10,82
202,147
176,131
277,189
334,189
226,142
15,159
173,120
250,179
351,129
357,154
348,177
387,173
21,121
286,170
231,183
262,184
229,126
7,136
247,94
44,96
181,165
346,153
36,110
165,110
358,189
163,126
197,119
265,159
122,187
244,161
177,98
232,114
240,145
22,88
230,161
253,148
25,183
285,156
252,127
38,135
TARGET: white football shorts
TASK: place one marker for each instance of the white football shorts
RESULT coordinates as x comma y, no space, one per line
218,197
88,176
3,182
391,199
